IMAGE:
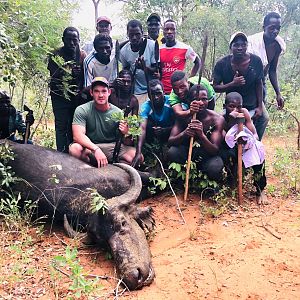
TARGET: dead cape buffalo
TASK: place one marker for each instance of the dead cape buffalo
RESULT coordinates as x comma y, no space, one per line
120,226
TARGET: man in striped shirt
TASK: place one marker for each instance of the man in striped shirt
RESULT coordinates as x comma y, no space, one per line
101,62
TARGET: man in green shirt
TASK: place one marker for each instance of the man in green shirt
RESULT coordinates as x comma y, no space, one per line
181,85
94,130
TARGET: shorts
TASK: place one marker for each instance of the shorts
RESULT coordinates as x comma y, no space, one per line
108,150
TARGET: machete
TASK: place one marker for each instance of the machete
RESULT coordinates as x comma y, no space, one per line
156,55
127,109
117,58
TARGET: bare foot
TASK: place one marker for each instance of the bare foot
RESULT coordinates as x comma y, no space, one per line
262,199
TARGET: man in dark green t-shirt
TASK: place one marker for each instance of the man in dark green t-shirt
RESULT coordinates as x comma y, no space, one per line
94,131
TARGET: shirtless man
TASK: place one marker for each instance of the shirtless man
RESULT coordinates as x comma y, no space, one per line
121,93
268,45
207,130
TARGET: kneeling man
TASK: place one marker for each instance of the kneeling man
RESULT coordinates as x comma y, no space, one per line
94,130
207,130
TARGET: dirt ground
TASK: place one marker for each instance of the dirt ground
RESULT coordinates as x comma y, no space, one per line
251,253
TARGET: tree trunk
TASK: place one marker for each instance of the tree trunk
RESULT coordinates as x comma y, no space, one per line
96,4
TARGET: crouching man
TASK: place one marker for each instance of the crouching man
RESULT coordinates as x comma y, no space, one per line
94,130
158,119
207,131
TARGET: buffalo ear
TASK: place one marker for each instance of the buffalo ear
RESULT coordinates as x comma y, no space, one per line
144,217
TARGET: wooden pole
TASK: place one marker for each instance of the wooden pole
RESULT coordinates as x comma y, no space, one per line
240,121
188,166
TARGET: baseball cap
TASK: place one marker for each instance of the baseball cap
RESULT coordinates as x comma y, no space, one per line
236,35
4,95
103,18
100,80
154,15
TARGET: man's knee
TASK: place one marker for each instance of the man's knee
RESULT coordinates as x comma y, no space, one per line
214,168
76,150
129,156
175,154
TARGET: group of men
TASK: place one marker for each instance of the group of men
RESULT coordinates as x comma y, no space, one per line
87,89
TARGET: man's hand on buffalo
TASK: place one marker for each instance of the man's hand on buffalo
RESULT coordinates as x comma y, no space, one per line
100,157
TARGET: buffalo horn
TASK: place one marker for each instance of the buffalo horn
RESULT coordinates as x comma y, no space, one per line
71,233
132,193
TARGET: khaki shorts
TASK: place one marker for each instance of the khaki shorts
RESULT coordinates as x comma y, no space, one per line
141,99
108,150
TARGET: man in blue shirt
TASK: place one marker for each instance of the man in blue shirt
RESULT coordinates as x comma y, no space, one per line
158,119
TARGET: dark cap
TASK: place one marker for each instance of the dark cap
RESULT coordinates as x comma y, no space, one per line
4,95
154,15
97,80
103,18
236,35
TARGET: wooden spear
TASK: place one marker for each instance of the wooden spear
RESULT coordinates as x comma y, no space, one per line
188,166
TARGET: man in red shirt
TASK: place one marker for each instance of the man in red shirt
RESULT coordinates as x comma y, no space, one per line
173,56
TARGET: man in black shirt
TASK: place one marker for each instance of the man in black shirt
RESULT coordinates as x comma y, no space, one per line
242,72
66,71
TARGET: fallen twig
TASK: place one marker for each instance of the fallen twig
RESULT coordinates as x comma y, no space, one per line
63,242
104,277
177,202
268,230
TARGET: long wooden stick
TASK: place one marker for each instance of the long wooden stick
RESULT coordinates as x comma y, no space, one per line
188,166
240,120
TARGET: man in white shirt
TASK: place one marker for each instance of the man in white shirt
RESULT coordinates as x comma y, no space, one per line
268,45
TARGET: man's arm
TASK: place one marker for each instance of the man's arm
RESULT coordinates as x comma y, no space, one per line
219,87
196,67
177,135
274,79
125,64
179,112
80,137
248,122
138,154
135,105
